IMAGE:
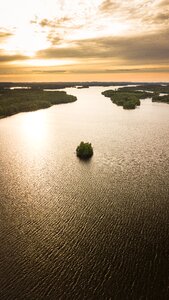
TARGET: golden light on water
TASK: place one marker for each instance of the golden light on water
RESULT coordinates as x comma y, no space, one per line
34,129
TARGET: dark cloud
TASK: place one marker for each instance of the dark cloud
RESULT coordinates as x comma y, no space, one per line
138,70
49,71
162,17
131,70
142,49
9,58
79,51
20,71
14,70
158,18
101,71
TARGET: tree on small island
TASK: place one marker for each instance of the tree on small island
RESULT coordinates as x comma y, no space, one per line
84,150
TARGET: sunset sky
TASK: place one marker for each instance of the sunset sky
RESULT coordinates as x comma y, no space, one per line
91,40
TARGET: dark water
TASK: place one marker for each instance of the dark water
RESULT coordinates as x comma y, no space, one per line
85,230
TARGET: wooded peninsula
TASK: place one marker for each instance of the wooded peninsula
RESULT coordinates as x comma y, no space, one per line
24,100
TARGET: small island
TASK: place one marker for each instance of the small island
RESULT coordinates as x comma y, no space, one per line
84,150
129,100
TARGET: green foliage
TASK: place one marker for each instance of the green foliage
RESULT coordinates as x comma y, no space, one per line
157,98
129,105
156,88
129,100
84,150
15,101
150,91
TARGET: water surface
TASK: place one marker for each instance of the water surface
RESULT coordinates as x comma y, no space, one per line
85,230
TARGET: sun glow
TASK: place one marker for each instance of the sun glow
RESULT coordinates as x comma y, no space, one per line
34,129
55,40
27,41
47,62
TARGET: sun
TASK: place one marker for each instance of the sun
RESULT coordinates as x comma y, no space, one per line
26,41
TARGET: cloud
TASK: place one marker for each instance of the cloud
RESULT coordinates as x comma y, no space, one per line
142,49
164,3
54,38
56,29
111,71
4,58
99,36
145,16
112,17
55,22
162,17
101,71
49,71
4,35
125,9
14,69
109,5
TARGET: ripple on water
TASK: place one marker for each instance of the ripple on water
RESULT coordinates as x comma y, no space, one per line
77,230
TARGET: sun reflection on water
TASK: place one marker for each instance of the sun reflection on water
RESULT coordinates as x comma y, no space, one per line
34,129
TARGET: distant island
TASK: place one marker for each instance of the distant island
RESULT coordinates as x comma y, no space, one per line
158,92
24,100
129,100
129,97
84,150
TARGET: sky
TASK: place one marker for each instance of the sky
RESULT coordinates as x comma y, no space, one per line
84,40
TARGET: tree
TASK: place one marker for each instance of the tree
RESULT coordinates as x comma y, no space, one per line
84,150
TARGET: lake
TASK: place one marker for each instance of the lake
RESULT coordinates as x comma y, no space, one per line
96,229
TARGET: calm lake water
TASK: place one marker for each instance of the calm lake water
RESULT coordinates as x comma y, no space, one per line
85,230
